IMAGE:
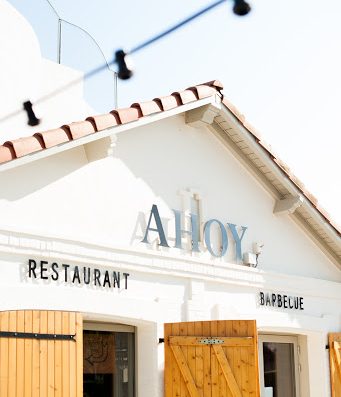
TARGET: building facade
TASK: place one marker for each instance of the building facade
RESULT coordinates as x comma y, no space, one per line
163,249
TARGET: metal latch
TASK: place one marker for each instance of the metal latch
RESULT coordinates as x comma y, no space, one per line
211,341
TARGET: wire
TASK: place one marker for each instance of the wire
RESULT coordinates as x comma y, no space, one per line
53,9
93,39
175,27
83,30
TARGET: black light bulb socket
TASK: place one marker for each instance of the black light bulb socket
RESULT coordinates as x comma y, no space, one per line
123,72
241,7
32,119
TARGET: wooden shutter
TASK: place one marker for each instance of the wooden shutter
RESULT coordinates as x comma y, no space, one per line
40,367
195,366
335,363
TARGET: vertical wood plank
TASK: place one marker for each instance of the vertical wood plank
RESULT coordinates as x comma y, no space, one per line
58,355
253,361
79,355
183,332
65,357
191,350
20,371
244,360
168,362
223,390
28,354
73,357
206,331
4,326
236,368
214,362
175,369
35,355
50,355
199,363
43,355
12,356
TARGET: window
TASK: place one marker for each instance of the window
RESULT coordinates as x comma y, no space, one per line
278,366
108,360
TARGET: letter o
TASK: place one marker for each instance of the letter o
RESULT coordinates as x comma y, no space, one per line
207,235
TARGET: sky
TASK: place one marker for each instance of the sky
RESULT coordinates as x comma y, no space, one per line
280,66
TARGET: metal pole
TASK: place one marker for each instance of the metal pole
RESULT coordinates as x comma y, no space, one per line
115,88
59,43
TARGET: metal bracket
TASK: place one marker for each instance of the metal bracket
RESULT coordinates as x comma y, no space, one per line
208,341
28,335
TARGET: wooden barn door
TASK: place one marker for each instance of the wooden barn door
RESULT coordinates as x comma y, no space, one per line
33,366
335,363
211,359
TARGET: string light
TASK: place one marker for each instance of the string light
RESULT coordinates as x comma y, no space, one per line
32,119
241,7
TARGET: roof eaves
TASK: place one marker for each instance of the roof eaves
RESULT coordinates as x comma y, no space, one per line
283,168
61,139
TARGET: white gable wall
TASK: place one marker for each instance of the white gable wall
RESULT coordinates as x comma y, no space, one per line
104,201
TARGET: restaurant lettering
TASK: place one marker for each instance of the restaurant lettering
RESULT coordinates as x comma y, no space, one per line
79,275
236,233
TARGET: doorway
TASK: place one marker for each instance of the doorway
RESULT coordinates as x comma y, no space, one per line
278,366
108,360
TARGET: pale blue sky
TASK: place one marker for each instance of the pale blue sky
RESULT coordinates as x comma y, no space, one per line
280,66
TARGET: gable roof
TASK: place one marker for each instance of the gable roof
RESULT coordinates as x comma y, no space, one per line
243,139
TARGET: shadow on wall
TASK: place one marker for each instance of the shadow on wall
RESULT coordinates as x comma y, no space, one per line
24,180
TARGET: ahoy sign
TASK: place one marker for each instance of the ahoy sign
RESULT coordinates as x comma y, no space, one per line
224,230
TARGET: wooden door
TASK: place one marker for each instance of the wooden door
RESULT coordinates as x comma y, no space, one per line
211,359
31,367
335,363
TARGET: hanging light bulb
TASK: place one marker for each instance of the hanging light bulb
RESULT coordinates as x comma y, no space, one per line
241,7
124,71
32,119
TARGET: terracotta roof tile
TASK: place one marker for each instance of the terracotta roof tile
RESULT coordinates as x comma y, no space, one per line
147,108
202,91
27,145
54,137
127,115
104,121
80,128
215,83
6,153
168,102
186,96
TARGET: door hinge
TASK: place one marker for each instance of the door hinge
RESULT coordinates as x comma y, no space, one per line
299,368
32,335
298,349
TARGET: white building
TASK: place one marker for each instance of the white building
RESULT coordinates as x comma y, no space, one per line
174,212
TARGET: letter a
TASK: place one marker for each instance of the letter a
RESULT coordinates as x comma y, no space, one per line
159,229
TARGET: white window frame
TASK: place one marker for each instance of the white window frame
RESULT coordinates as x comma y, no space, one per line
278,339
